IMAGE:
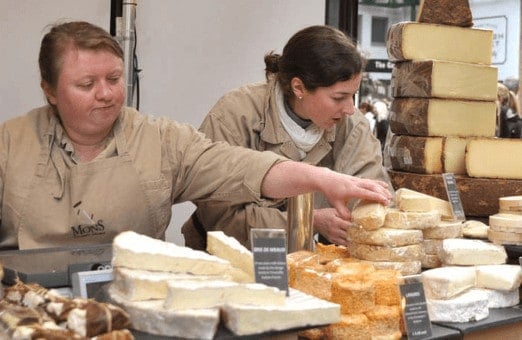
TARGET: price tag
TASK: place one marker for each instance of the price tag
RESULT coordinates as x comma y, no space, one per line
453,196
416,316
269,251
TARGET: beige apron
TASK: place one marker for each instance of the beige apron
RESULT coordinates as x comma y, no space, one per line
85,203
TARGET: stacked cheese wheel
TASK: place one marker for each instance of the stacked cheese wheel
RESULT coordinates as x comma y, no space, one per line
506,226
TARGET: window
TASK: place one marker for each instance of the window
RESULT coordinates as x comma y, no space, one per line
379,29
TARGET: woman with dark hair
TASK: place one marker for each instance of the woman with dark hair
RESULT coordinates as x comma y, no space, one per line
304,111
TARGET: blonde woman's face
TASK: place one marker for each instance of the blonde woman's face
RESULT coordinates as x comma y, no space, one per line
90,91
325,106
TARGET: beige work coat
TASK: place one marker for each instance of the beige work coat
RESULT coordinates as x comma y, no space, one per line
48,200
249,117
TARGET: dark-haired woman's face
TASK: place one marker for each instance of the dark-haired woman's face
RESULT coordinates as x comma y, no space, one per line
325,106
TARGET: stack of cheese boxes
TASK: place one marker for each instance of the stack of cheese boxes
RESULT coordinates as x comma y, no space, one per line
406,237
179,292
443,115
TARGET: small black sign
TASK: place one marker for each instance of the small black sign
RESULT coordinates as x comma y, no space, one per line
416,315
270,261
379,65
453,196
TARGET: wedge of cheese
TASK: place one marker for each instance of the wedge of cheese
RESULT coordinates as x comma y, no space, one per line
137,251
385,236
414,201
442,117
415,41
447,282
499,277
446,12
208,294
470,306
468,252
229,248
444,79
397,219
475,229
494,158
416,154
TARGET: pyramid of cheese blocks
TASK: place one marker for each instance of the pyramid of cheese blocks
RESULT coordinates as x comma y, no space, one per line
444,90
176,291
369,297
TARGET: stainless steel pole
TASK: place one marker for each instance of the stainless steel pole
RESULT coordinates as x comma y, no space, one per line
300,222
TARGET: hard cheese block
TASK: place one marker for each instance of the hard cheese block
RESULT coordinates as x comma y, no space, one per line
447,282
444,79
468,252
494,158
415,201
446,12
300,310
479,196
414,40
442,117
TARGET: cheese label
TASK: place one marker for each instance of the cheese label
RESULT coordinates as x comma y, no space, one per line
269,251
416,317
453,196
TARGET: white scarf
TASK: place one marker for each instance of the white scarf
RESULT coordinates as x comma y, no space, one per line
304,139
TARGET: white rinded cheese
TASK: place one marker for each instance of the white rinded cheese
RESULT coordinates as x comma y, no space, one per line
414,40
444,230
385,236
411,200
494,158
475,229
208,294
500,277
133,250
432,246
506,222
444,79
150,317
510,204
467,307
412,252
447,282
404,267
138,285
469,252
397,219
443,117
431,261
369,215
501,298
300,310
229,248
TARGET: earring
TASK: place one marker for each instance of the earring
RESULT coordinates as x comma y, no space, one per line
300,97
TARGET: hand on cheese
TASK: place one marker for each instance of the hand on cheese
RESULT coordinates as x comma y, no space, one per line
369,215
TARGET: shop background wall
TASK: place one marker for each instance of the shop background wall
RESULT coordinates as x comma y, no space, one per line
190,52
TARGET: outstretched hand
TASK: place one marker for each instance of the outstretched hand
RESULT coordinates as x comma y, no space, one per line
331,226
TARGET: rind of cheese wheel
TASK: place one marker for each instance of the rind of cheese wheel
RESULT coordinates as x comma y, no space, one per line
415,41
384,253
416,154
475,229
414,201
444,79
504,237
442,117
353,295
229,248
150,317
447,282
300,310
208,294
500,277
397,219
501,298
494,158
511,204
469,306
369,215
385,236
133,250
404,267
469,252
138,285
506,223
446,12
444,230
